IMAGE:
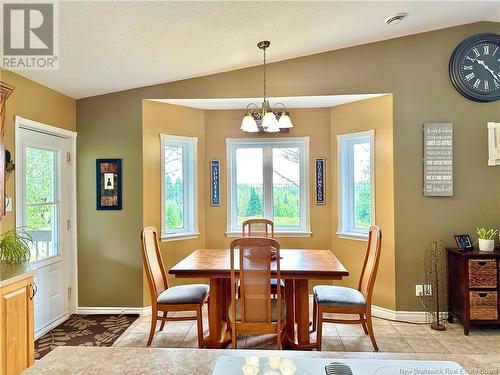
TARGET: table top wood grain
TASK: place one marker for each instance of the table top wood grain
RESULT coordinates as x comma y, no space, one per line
295,264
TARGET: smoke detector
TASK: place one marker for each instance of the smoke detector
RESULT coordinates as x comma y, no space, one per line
395,19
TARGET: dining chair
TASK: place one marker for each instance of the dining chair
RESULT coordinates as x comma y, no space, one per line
343,300
261,228
254,310
258,228
165,299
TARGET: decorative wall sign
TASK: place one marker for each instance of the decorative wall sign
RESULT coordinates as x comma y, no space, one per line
215,183
320,181
438,159
109,184
493,143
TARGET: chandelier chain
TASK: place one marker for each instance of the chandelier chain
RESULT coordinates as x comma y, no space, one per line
265,85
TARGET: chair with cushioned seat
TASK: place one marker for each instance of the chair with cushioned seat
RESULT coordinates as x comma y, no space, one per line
342,300
164,299
253,310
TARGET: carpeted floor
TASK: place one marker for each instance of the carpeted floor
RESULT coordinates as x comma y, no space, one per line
84,330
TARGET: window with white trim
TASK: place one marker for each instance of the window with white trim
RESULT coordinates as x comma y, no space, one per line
269,178
356,184
178,187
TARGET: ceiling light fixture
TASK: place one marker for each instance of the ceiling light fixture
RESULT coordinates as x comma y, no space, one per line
271,120
395,19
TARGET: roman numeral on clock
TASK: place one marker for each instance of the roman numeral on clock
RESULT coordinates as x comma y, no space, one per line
486,49
476,52
469,76
476,84
486,85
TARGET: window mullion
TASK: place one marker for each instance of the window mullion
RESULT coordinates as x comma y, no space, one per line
268,182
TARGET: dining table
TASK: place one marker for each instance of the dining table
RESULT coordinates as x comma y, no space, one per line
297,267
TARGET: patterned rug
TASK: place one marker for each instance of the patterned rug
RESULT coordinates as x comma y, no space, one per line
84,330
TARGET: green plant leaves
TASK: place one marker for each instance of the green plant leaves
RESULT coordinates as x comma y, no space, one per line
15,246
486,234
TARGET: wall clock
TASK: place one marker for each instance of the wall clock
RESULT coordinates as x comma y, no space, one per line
475,68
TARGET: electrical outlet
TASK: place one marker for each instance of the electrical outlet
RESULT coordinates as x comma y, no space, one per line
8,204
419,290
428,290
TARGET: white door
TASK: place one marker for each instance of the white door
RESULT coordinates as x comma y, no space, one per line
43,211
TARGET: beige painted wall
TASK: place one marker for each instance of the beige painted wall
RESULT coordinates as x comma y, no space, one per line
413,68
368,114
160,118
35,102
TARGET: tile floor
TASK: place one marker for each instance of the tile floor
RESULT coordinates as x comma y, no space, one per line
391,337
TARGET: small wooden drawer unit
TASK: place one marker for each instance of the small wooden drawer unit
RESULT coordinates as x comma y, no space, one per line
473,287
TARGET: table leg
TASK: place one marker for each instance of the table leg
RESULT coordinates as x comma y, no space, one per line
290,309
217,321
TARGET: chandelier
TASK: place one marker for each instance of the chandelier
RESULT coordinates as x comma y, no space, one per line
271,120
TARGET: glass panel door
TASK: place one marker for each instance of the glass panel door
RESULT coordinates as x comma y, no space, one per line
42,202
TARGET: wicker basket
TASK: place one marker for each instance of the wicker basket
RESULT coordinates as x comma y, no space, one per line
482,273
483,305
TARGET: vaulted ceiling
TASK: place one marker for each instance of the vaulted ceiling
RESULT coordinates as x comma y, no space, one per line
114,45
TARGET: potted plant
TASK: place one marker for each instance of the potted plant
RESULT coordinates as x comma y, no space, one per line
15,246
486,239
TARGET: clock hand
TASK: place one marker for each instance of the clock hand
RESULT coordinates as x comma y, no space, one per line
481,62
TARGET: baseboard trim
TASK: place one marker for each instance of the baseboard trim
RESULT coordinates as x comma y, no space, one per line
51,326
113,310
377,311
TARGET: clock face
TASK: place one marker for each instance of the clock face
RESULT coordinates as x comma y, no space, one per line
475,68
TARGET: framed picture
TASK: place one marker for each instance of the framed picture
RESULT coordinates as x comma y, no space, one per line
463,242
215,183
109,184
320,180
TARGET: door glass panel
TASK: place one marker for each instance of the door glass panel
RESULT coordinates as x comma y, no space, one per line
249,184
174,187
362,185
39,176
286,187
41,202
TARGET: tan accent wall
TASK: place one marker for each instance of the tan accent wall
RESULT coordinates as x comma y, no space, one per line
413,68
314,123
159,118
372,114
35,102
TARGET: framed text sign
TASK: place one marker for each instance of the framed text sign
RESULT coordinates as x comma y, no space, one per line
109,184
215,183
320,180
438,159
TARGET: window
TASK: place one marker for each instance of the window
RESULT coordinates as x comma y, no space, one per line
178,179
268,178
356,184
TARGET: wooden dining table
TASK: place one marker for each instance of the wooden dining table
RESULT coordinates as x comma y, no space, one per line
297,267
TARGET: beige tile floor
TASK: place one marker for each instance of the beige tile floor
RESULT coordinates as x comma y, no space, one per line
391,336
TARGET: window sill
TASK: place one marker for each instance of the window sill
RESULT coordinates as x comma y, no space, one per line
179,236
353,236
277,234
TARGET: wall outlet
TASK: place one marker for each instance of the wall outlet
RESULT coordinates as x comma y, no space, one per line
8,204
428,290
419,290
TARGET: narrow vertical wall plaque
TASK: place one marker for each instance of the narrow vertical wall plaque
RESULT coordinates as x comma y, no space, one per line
438,160
320,180
215,182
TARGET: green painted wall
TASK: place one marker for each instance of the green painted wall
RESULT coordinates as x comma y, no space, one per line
414,69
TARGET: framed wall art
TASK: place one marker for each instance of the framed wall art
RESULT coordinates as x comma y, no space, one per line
109,184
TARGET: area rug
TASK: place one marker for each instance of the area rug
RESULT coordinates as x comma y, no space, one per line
84,330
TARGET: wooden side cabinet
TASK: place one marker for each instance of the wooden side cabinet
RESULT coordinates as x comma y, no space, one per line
17,346
473,287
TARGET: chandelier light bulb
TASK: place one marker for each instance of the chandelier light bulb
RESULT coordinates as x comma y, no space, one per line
249,125
285,122
269,123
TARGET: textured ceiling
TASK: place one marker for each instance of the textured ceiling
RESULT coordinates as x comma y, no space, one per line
110,46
